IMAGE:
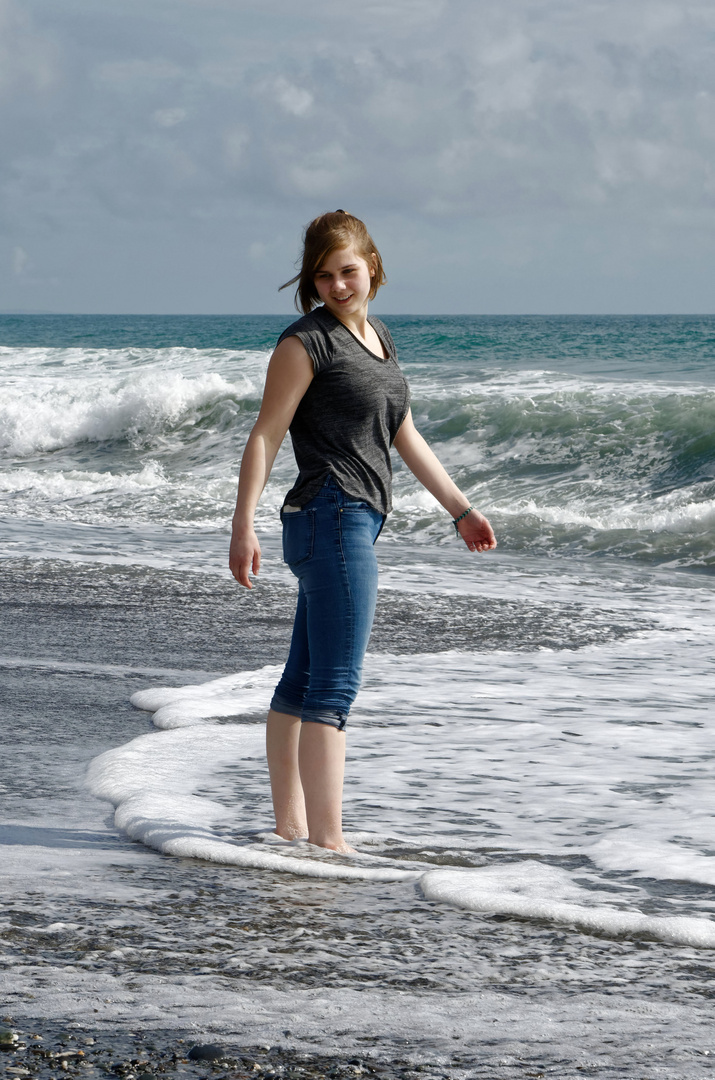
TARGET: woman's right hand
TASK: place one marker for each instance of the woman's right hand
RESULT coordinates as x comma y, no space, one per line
244,556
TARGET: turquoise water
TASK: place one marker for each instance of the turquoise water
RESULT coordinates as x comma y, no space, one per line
671,346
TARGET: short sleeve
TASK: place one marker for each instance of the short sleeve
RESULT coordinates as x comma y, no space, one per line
313,336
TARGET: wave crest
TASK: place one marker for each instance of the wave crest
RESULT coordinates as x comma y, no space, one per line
139,409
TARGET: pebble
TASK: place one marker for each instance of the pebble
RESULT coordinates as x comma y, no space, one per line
208,1052
42,1053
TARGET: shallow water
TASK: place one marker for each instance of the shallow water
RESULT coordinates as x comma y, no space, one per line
95,922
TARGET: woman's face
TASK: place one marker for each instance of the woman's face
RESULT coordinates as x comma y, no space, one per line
344,281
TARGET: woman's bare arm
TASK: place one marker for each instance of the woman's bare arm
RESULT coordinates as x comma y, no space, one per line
289,375
474,529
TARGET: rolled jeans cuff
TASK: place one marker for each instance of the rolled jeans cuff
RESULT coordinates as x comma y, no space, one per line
333,717
282,705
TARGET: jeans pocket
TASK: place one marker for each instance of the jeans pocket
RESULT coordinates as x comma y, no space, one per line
298,537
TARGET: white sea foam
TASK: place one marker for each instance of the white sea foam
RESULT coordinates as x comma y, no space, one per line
233,695
533,384
601,754
60,486
531,890
180,500
504,1031
676,512
82,361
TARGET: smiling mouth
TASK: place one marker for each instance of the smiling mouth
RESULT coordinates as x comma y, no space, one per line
343,299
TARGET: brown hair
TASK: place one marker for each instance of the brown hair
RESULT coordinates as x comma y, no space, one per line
325,234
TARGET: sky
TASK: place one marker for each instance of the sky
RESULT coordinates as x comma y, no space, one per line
519,156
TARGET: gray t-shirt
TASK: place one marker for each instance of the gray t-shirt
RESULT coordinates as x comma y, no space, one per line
350,413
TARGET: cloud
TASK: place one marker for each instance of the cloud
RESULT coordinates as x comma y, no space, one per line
168,118
27,57
20,261
321,172
136,76
294,99
432,111
474,109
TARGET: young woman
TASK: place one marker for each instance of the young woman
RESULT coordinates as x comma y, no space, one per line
334,381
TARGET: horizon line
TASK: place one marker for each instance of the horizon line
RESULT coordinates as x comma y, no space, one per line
387,314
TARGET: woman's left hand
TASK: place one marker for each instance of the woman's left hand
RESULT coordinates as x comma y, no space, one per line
476,532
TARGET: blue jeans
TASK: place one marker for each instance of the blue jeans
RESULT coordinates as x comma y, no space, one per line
329,546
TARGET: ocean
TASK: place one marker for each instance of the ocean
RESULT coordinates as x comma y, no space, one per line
529,780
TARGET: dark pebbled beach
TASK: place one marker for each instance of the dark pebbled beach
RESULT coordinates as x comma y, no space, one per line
141,616
40,1049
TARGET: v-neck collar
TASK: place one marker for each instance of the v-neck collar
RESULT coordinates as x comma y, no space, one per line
382,359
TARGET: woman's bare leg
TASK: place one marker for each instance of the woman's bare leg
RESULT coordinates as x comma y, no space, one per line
282,738
321,756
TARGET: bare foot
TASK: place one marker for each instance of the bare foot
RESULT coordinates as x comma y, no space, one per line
343,848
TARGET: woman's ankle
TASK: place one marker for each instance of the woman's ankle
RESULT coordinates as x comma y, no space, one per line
292,831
